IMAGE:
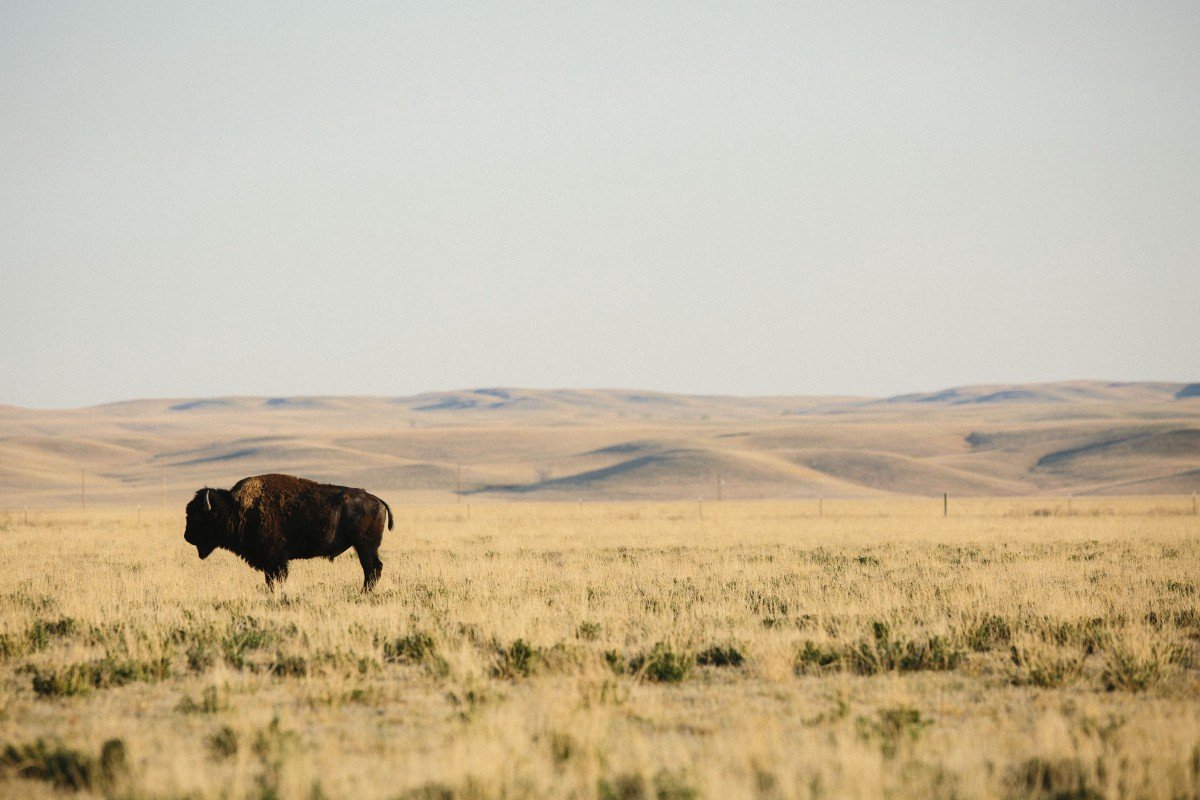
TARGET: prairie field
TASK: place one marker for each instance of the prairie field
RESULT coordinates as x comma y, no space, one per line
870,648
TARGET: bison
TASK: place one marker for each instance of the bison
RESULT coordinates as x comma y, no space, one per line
268,520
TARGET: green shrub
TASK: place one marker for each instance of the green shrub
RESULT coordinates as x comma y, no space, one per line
892,727
888,652
588,631
413,648
469,790
662,664
289,666
565,657
518,660
563,747
882,652
42,631
201,657
813,657
1133,669
273,746
623,787
1062,779
37,637
416,648
75,679
1186,589
988,633
430,791
224,743
766,605
469,701
717,656
616,661
665,786
1086,633
10,646
82,678
69,681
1040,667
66,767
244,635
210,702
1185,618
274,741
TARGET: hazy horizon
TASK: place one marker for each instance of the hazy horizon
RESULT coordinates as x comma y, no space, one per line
349,199
633,390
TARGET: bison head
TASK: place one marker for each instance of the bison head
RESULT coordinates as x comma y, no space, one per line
205,529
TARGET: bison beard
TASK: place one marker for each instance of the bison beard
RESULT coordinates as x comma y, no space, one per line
269,520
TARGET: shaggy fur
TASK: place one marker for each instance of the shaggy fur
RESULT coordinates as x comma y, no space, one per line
269,520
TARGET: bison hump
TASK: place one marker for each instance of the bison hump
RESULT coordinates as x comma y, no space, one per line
254,491
248,492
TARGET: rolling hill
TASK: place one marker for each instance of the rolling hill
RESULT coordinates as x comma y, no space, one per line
504,443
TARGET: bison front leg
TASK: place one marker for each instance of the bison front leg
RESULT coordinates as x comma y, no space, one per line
371,565
276,574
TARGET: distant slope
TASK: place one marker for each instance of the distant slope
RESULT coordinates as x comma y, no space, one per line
890,472
496,443
1063,392
1183,482
672,473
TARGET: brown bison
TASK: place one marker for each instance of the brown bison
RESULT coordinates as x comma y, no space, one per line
268,520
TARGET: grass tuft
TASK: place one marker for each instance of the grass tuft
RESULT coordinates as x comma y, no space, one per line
891,728
1134,664
991,632
665,785
77,679
1036,664
66,767
224,743
720,656
518,660
1054,779
663,664
210,702
883,651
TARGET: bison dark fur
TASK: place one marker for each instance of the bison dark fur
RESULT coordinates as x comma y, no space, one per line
268,520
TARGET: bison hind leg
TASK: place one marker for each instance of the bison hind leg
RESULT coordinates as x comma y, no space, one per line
371,565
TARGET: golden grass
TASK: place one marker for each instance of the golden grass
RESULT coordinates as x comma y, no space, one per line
1011,649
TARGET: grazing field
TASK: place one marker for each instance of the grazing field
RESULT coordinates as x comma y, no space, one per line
605,650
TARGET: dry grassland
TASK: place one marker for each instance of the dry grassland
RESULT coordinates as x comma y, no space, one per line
616,651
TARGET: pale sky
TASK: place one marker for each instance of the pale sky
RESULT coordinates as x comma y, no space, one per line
783,198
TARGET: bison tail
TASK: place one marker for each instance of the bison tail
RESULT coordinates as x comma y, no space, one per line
388,509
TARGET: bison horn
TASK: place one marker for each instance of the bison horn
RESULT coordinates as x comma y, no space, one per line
207,502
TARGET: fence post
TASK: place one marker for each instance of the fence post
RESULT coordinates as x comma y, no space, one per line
945,504
1193,504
